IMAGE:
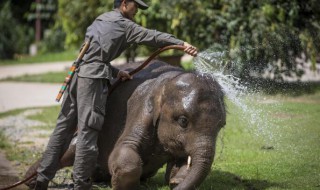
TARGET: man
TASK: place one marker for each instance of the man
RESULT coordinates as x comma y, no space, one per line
85,99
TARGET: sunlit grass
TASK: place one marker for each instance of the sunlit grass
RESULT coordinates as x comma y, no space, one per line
47,57
50,77
246,159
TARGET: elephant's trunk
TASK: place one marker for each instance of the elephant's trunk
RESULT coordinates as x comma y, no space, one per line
202,160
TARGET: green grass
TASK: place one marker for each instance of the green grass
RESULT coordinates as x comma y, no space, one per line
25,157
292,162
48,115
11,113
245,159
4,144
47,57
50,77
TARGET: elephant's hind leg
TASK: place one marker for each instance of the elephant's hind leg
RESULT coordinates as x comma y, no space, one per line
126,168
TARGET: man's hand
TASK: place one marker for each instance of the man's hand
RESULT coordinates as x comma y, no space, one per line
189,49
124,75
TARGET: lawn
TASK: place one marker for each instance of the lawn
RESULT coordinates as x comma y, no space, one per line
279,150
286,156
50,77
40,58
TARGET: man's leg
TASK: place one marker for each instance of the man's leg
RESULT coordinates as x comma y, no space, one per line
60,138
91,110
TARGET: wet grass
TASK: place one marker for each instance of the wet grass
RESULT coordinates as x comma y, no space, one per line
281,153
286,156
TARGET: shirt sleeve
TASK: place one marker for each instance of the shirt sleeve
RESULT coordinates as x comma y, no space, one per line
140,35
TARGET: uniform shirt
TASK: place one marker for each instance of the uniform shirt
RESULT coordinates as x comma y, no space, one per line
111,34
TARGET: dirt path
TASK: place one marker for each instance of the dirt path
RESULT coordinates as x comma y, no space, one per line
16,95
36,68
20,131
7,174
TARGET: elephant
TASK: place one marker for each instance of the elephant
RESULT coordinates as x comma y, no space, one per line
164,115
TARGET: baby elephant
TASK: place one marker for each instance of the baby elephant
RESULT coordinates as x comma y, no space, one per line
164,115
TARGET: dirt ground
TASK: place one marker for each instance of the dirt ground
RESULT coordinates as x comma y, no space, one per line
7,173
22,134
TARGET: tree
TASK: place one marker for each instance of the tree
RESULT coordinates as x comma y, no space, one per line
17,25
76,16
255,35
14,37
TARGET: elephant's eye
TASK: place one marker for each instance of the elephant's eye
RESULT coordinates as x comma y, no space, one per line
183,121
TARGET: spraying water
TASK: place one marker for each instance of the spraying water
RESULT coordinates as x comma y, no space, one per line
216,65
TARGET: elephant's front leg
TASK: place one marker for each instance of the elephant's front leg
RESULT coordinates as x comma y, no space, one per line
126,168
176,172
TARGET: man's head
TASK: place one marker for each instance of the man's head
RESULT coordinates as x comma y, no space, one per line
129,8
142,5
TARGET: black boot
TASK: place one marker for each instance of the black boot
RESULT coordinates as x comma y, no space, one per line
41,185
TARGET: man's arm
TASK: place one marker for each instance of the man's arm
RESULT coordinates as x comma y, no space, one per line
140,35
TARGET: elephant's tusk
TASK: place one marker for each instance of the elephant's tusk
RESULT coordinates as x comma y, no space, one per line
189,162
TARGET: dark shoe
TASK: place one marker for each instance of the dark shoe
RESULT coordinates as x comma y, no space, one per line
41,185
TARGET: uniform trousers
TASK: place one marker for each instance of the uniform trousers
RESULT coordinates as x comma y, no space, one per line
82,110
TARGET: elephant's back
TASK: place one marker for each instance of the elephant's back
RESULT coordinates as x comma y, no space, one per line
117,102
154,69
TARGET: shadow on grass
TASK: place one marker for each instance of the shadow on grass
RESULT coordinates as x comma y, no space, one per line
225,180
217,180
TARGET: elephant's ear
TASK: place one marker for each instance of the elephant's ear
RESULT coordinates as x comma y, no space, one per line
158,102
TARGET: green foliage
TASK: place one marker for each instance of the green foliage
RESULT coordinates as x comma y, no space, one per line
17,21
53,35
53,40
256,34
76,16
14,38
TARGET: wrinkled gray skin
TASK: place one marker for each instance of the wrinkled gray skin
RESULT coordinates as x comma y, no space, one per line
161,116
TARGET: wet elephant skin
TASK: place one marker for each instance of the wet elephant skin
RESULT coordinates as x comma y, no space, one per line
161,116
